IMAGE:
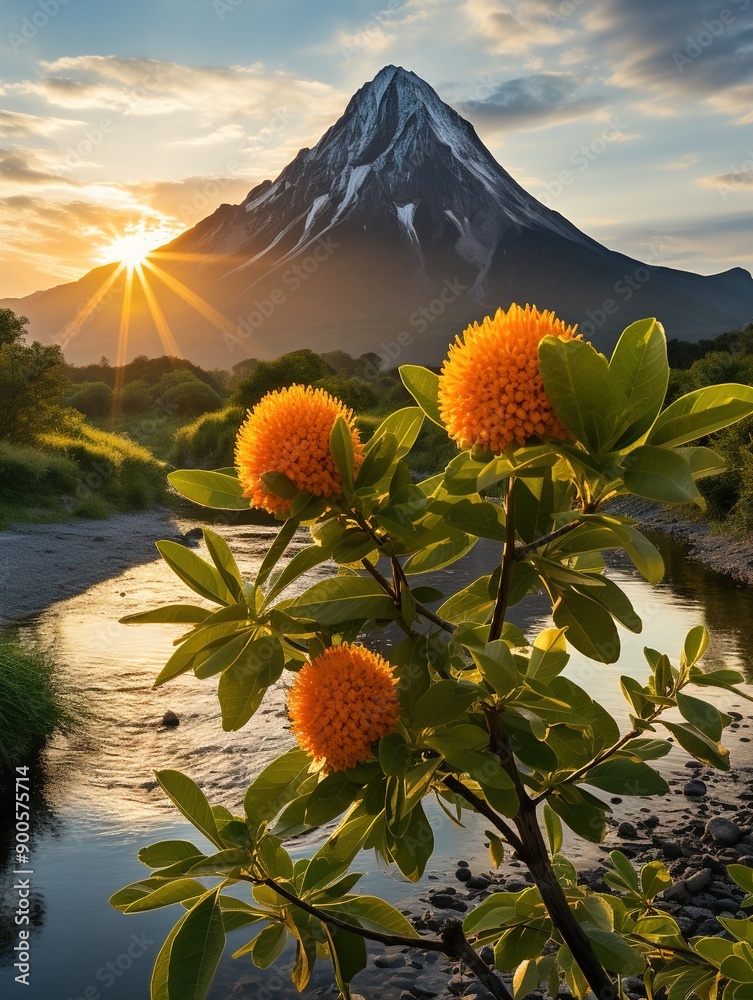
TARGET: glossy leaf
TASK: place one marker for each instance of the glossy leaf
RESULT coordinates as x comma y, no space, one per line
423,385
209,489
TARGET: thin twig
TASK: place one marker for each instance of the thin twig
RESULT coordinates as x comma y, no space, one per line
482,807
508,565
523,550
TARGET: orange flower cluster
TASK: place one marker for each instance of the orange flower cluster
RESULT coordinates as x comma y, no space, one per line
490,389
288,431
341,703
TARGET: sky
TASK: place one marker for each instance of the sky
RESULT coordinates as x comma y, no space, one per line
127,121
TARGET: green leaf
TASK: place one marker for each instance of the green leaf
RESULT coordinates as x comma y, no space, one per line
440,554
167,852
210,489
644,555
195,572
222,654
583,813
373,914
411,851
590,627
614,953
472,604
553,826
404,424
659,474
700,413
444,702
394,754
495,661
343,599
423,385
225,562
303,561
703,462
577,383
166,894
276,550
170,613
639,373
191,801
616,601
703,716
275,786
331,797
711,753
196,950
268,946
696,644
243,685
622,776
479,518
348,954
200,644
279,484
341,447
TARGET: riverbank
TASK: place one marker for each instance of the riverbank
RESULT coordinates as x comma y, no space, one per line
41,564
712,546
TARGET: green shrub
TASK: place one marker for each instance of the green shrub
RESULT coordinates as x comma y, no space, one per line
208,442
354,392
31,476
298,367
190,398
93,399
31,707
136,397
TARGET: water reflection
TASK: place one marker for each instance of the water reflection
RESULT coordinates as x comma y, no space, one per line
101,804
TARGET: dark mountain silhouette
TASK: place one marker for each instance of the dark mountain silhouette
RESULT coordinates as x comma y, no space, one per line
390,235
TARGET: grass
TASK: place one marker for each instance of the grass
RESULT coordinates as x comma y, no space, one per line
77,470
31,706
155,432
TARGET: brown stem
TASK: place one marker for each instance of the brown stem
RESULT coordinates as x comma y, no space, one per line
457,945
523,550
536,857
483,807
508,565
389,589
583,771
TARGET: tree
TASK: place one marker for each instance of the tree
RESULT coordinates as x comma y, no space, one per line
93,399
190,398
302,367
31,381
468,710
12,327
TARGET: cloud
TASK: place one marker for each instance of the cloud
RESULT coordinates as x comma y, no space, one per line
192,198
139,86
25,168
14,125
512,29
676,51
534,101
225,133
688,160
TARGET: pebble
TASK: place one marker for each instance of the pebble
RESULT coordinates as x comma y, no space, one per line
695,788
724,831
627,830
170,719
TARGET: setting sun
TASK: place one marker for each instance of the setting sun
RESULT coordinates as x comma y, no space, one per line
130,250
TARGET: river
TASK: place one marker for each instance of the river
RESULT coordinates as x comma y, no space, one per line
97,802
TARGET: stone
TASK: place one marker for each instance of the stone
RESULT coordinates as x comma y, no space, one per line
388,961
723,831
170,719
445,901
463,874
487,954
695,788
627,831
698,882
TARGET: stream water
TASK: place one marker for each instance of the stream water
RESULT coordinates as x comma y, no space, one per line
96,798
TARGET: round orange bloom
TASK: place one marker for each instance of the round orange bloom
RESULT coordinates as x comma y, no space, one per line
490,389
288,431
341,703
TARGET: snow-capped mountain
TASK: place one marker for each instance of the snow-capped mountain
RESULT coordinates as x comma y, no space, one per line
391,234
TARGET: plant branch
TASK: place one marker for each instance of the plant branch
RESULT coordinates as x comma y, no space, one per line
385,584
508,565
523,550
453,942
482,807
